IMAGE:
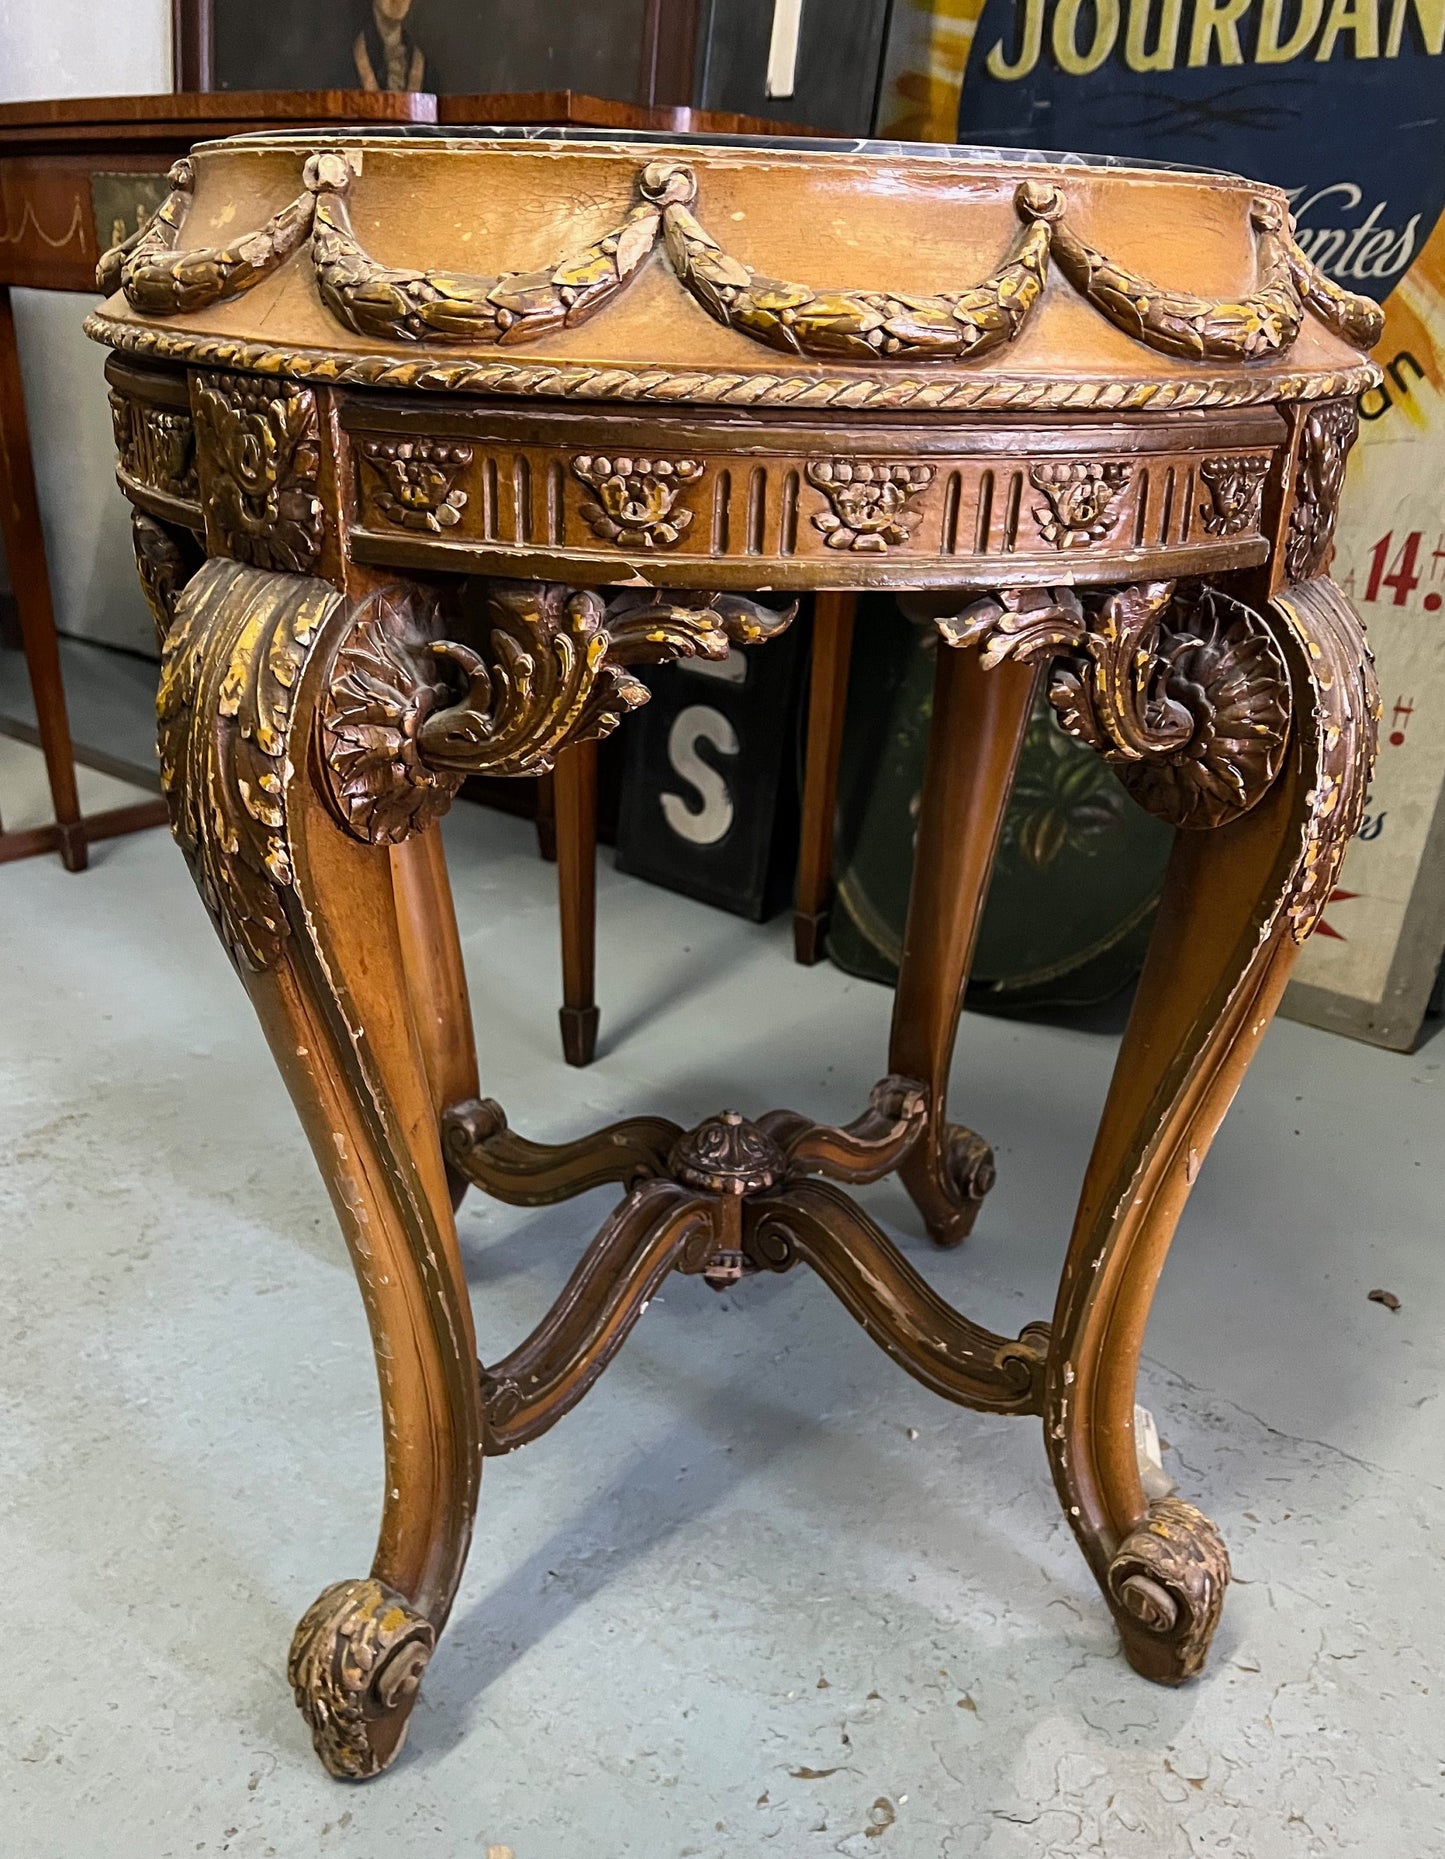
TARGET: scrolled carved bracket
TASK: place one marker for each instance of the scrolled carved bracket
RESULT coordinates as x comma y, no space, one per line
1183,691
356,1665
407,715
1343,718
158,280
1167,1582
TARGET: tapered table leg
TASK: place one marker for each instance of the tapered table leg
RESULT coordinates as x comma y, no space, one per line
25,551
979,718
827,701
574,787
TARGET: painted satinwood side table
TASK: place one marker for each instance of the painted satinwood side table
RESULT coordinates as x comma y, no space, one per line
642,392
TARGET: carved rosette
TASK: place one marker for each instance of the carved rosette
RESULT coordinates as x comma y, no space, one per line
637,499
418,480
228,681
259,450
1234,484
1327,433
871,504
1183,691
356,1665
728,1155
1167,1580
1080,500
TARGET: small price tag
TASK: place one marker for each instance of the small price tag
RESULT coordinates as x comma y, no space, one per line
783,48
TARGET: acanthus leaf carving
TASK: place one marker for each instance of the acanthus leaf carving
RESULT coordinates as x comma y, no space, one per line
1235,483
1343,718
1080,499
1327,432
229,671
871,503
387,679
1182,691
637,499
418,478
165,559
407,715
259,452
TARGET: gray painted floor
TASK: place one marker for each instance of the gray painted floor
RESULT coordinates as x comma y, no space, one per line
760,1593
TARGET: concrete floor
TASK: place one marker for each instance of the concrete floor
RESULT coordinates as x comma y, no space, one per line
760,1593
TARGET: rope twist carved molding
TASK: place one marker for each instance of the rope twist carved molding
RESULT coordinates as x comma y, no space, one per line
1182,691
729,388
356,1665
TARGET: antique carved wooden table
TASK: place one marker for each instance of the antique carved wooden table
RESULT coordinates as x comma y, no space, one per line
642,392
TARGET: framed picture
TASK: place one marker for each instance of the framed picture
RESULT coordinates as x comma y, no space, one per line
813,63
640,51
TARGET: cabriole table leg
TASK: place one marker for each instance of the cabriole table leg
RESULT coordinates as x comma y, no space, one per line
308,912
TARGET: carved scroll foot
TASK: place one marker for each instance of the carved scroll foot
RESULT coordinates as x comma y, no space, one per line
356,1663
947,1182
1166,1581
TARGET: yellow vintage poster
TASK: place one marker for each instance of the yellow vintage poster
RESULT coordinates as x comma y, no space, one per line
1337,102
